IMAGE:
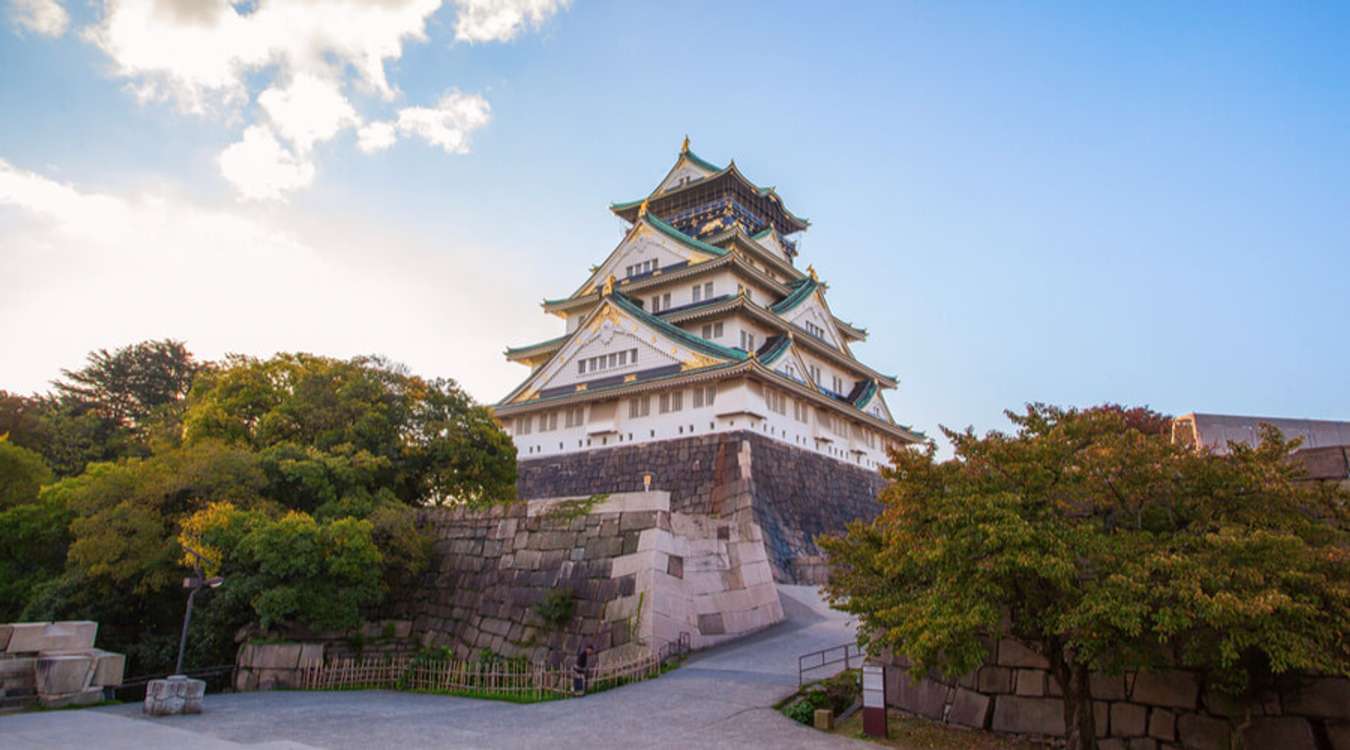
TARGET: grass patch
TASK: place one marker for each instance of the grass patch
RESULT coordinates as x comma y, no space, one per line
912,733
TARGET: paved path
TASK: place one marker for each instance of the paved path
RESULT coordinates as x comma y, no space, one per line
721,699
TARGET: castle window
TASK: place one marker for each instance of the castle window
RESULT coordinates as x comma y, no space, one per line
703,396
838,384
639,407
575,417
524,425
581,367
747,341
672,402
697,293
613,360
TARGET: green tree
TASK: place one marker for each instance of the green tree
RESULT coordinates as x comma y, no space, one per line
33,542
1101,546
22,474
130,385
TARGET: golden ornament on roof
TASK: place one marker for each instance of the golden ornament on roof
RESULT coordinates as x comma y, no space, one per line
642,210
609,285
684,147
810,269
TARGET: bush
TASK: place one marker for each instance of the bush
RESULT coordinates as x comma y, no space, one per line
556,607
841,691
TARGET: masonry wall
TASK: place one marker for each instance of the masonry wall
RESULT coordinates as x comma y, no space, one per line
642,576
1014,693
795,494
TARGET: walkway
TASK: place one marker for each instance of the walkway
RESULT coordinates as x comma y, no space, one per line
721,699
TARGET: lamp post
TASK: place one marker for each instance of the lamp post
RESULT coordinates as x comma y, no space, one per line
194,584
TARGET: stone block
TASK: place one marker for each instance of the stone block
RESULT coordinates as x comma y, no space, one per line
1171,688
1200,732
108,668
1141,743
1128,720
994,680
5,631
1013,654
174,695
1283,732
970,709
1022,715
276,655
64,674
824,719
17,667
1107,687
711,624
1030,682
1101,718
1162,724
86,697
1326,697
1113,743
311,654
922,696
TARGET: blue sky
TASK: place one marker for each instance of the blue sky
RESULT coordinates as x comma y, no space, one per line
1141,203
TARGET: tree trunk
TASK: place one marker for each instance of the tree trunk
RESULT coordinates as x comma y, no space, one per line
1080,726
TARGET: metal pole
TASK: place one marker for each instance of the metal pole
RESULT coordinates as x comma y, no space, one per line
182,640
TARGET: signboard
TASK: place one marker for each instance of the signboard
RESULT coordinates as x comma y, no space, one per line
874,700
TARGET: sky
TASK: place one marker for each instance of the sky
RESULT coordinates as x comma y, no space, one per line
1072,203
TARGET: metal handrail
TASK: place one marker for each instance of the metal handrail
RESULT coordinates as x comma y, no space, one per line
847,654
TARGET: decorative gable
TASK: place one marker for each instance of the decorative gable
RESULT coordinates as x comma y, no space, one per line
812,316
618,343
646,248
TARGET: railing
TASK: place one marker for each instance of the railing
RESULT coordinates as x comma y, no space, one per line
847,654
217,678
510,679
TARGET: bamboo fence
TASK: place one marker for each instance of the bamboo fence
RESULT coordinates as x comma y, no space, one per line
512,679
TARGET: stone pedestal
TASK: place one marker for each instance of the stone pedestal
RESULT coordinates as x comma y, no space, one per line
176,694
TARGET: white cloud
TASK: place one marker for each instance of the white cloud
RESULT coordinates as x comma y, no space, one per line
449,123
309,110
260,168
86,269
377,136
501,20
301,58
43,17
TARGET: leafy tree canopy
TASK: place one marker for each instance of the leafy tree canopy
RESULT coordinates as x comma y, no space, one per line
22,473
1091,538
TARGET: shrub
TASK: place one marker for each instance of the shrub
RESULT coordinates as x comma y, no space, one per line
556,607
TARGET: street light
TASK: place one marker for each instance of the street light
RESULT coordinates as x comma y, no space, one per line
194,583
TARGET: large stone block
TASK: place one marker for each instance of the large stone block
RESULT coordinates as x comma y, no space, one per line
1162,724
276,655
1327,697
1200,732
1107,687
5,631
1128,720
1014,713
1338,733
970,709
1013,654
108,668
994,680
1171,688
923,697
17,666
174,695
32,637
1031,682
64,674
1283,732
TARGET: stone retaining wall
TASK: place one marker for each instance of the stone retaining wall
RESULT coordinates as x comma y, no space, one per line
1015,694
55,664
796,494
638,572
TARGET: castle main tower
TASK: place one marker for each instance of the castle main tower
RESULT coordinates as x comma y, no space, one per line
695,341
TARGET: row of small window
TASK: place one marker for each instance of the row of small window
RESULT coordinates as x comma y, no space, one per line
836,382
777,402
548,421
671,401
609,361
814,329
646,266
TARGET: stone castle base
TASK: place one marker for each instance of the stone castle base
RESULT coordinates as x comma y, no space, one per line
795,494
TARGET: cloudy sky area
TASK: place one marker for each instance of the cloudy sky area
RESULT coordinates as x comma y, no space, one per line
1144,204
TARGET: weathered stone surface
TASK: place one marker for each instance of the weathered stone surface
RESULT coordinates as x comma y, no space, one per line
1101,718
970,709
1200,732
1162,724
5,631
1013,713
992,679
1172,688
824,719
1107,687
924,697
64,674
1031,682
276,655
108,668
69,635
174,695
1128,720
17,666
1014,654
1283,732
1328,697
711,624
86,697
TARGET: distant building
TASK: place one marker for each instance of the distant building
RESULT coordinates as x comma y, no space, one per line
1325,449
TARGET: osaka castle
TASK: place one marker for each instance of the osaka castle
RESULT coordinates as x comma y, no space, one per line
701,322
